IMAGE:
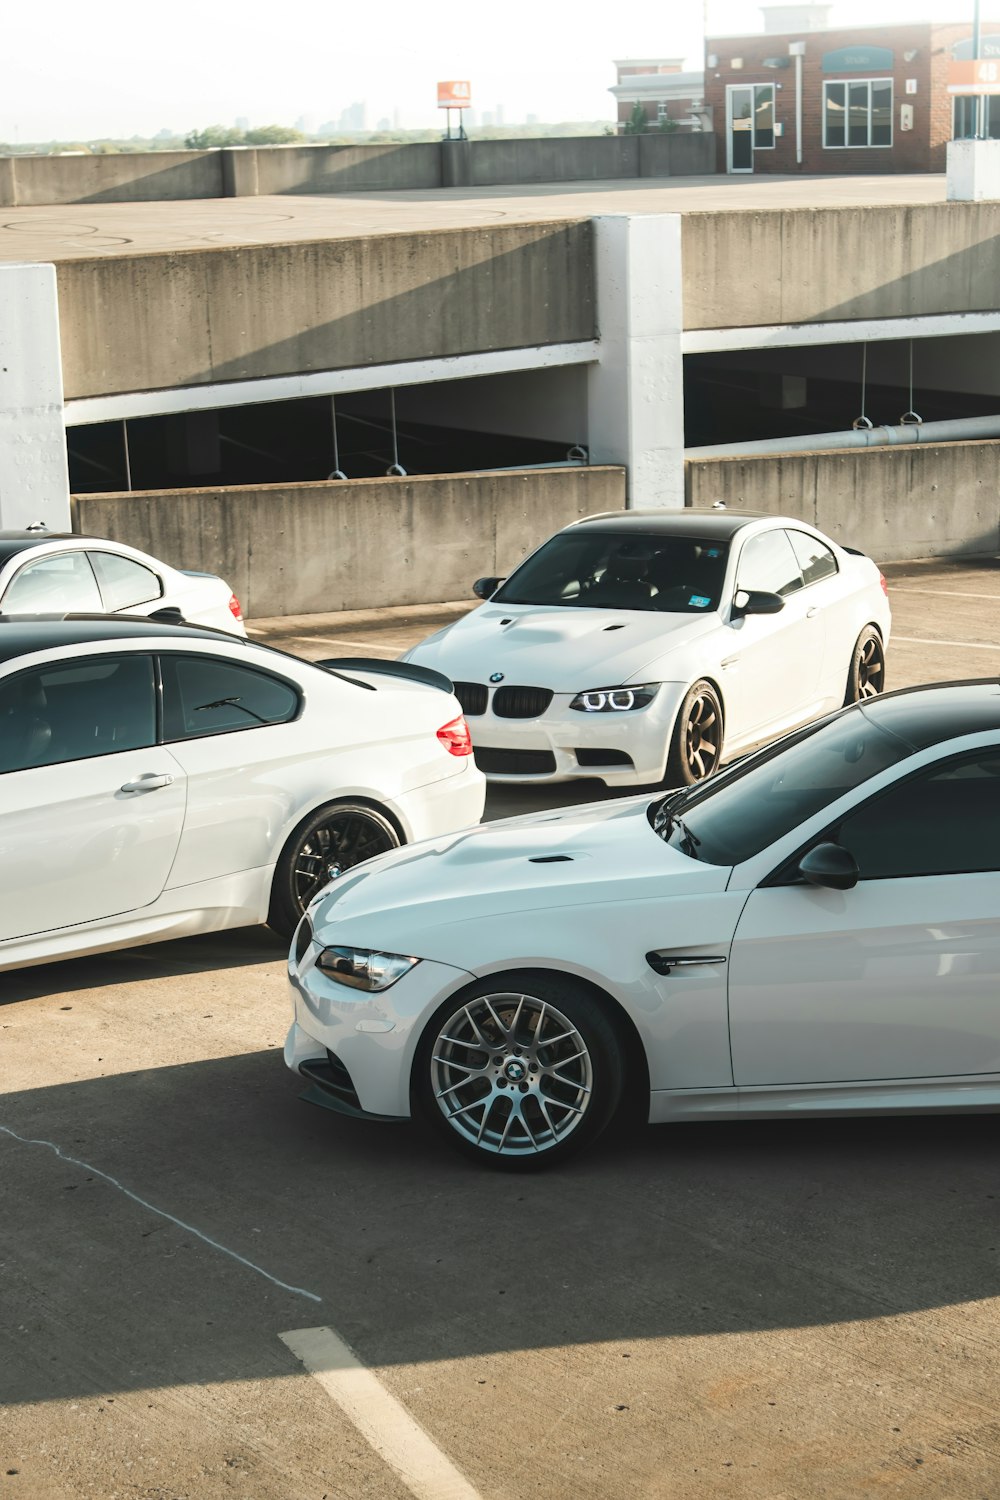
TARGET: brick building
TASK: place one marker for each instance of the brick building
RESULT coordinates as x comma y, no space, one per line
668,97
808,98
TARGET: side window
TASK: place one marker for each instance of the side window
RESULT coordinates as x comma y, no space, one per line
945,821
64,584
768,563
74,710
205,695
815,559
124,582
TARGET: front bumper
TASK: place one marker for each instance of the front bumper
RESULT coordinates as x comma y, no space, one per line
563,744
372,1037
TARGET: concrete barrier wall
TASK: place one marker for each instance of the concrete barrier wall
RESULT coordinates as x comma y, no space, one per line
142,177
919,500
151,322
743,269
359,544
239,172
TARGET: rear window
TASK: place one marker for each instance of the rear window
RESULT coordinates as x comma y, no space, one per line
206,695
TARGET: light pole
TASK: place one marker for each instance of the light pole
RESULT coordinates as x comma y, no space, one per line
976,43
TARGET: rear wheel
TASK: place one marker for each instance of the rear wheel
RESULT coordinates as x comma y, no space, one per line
331,840
696,746
866,677
519,1070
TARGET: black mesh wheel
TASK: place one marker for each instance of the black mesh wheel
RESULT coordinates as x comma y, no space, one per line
330,841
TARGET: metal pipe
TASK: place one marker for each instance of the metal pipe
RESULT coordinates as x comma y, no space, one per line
798,109
979,110
956,430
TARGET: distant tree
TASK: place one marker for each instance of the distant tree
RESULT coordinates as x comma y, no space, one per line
668,125
636,122
212,136
273,135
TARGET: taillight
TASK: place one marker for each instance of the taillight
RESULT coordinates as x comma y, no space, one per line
885,586
455,737
234,607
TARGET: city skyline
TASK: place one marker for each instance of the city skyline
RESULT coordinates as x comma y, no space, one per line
85,74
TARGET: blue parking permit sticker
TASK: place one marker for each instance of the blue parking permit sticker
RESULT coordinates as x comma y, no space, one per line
698,601
712,552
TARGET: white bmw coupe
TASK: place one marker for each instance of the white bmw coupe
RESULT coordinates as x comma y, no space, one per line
815,931
646,647
160,780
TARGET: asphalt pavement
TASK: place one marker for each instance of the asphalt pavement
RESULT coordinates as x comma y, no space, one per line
773,1311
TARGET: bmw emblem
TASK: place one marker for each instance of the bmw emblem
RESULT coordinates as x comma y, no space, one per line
496,677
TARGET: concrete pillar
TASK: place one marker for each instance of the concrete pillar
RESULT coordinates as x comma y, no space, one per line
973,171
456,163
240,177
34,478
8,182
635,394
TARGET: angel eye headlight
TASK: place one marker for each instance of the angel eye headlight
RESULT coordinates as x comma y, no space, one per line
362,969
619,700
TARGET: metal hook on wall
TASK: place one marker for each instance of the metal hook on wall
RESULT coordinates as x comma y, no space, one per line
395,469
337,472
910,418
863,423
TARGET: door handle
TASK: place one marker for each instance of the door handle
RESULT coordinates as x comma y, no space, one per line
150,783
665,963
730,661
811,611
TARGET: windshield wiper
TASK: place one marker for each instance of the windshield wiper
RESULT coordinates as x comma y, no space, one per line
668,818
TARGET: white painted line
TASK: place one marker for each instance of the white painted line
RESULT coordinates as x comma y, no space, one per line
902,588
379,1417
333,640
860,330
927,640
296,1291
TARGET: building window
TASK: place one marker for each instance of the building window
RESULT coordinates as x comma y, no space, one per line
763,116
857,113
963,118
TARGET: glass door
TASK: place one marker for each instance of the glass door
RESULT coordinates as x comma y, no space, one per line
739,128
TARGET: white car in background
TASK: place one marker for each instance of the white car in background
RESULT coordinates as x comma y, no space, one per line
645,647
160,780
43,572
815,931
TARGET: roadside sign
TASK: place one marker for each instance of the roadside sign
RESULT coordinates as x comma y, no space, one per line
979,75
455,94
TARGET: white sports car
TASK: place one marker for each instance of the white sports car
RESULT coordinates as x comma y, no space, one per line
815,931
160,780
646,647
43,572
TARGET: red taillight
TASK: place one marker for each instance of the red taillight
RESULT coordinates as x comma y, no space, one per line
455,737
885,586
234,607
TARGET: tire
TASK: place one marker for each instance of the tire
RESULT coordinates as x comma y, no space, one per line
696,743
483,1081
331,840
866,677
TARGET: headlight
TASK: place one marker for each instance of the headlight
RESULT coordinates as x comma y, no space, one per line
620,700
362,969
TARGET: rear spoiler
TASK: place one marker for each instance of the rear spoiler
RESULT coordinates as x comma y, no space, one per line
405,669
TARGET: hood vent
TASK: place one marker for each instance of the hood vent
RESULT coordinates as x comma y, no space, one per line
614,627
550,859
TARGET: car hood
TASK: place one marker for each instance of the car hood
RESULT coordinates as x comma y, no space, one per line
566,650
407,901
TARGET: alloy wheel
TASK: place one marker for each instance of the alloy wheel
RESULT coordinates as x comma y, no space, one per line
702,737
345,837
871,669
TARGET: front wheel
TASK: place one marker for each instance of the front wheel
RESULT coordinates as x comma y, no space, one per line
519,1071
866,677
696,745
328,842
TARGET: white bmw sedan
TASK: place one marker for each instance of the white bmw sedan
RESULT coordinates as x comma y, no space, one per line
644,648
815,931
159,780
43,572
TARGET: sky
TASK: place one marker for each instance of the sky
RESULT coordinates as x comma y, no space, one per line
117,68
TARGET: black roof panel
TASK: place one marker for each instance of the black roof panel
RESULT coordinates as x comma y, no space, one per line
22,634
925,716
705,523
13,542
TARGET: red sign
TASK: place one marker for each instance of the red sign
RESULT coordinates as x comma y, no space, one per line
980,76
455,94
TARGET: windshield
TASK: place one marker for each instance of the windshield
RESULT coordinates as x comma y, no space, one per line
621,570
761,799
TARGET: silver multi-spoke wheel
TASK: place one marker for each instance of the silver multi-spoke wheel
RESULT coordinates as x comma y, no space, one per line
866,678
521,1073
696,748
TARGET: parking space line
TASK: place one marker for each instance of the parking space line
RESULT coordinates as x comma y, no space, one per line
901,588
296,1291
927,640
331,640
385,1424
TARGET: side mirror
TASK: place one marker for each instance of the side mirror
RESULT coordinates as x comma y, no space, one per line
756,602
830,865
485,588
